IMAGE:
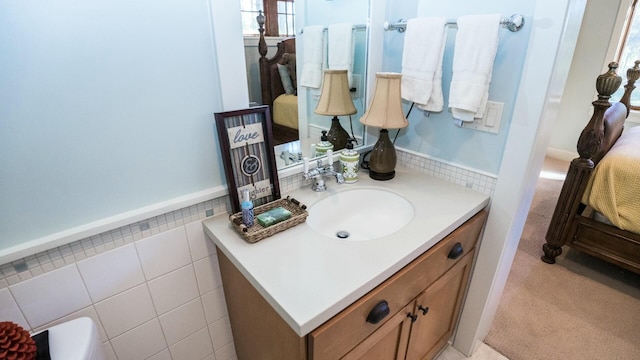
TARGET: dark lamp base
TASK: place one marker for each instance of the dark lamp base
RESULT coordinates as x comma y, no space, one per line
337,135
382,176
382,162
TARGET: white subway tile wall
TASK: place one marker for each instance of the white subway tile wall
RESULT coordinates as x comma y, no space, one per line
141,281
125,311
140,343
194,347
104,280
183,321
162,355
50,296
199,245
208,274
164,252
148,297
469,178
214,304
9,310
174,289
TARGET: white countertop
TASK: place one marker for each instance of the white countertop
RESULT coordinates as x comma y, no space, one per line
308,278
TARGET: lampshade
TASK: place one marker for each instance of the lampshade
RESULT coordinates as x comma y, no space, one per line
385,110
335,98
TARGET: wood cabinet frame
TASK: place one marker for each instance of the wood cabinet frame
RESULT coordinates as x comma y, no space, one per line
260,333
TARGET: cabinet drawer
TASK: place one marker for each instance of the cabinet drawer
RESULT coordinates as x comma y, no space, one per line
344,331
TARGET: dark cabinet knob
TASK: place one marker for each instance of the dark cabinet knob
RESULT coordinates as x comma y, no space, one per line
425,310
379,312
412,317
456,251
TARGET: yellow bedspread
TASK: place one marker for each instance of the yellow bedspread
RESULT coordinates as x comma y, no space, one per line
614,186
285,110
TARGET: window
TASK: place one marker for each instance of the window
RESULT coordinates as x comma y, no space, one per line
278,14
629,51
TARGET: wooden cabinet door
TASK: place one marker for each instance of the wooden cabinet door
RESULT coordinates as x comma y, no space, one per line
389,342
437,310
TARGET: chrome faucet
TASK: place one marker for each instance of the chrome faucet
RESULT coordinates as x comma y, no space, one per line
320,172
289,157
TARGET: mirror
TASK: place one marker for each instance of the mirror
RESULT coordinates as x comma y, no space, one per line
293,144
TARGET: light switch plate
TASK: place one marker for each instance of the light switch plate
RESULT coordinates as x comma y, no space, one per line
356,83
491,120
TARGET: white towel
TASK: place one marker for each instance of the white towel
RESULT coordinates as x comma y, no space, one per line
341,48
475,50
312,57
424,42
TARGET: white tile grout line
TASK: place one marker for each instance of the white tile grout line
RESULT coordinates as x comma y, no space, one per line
45,261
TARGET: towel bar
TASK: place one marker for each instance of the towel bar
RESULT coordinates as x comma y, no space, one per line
355,27
514,23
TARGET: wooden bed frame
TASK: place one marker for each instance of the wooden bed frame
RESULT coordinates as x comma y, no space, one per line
270,84
570,224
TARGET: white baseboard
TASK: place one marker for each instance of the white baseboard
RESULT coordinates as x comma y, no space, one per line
561,154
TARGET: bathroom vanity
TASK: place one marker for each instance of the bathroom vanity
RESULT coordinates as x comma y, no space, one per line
302,294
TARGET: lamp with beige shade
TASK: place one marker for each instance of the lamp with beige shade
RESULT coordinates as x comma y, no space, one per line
385,112
335,100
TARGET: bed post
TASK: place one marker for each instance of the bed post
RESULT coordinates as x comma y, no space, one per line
262,44
581,167
262,50
632,76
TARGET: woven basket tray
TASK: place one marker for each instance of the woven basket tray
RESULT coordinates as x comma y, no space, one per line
258,232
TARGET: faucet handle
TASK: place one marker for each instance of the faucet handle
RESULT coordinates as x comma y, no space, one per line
330,158
305,165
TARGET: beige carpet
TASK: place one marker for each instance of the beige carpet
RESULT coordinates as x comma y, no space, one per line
579,308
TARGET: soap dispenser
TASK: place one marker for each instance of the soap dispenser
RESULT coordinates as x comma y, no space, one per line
247,208
323,145
349,160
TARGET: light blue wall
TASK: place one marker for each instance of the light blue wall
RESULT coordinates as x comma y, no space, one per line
436,135
334,12
105,107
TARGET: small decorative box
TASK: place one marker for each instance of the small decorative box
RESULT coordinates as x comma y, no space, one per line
258,232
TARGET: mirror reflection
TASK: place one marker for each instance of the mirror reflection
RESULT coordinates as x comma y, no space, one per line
275,64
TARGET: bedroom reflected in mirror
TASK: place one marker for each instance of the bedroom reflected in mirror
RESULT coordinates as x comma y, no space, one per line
278,85
275,63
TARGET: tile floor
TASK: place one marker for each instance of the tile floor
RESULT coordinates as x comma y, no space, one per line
484,352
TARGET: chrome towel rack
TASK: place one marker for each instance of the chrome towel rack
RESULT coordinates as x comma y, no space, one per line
354,27
514,23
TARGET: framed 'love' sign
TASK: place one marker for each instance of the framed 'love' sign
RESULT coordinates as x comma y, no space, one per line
247,150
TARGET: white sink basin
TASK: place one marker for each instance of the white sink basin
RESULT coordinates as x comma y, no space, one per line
360,214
